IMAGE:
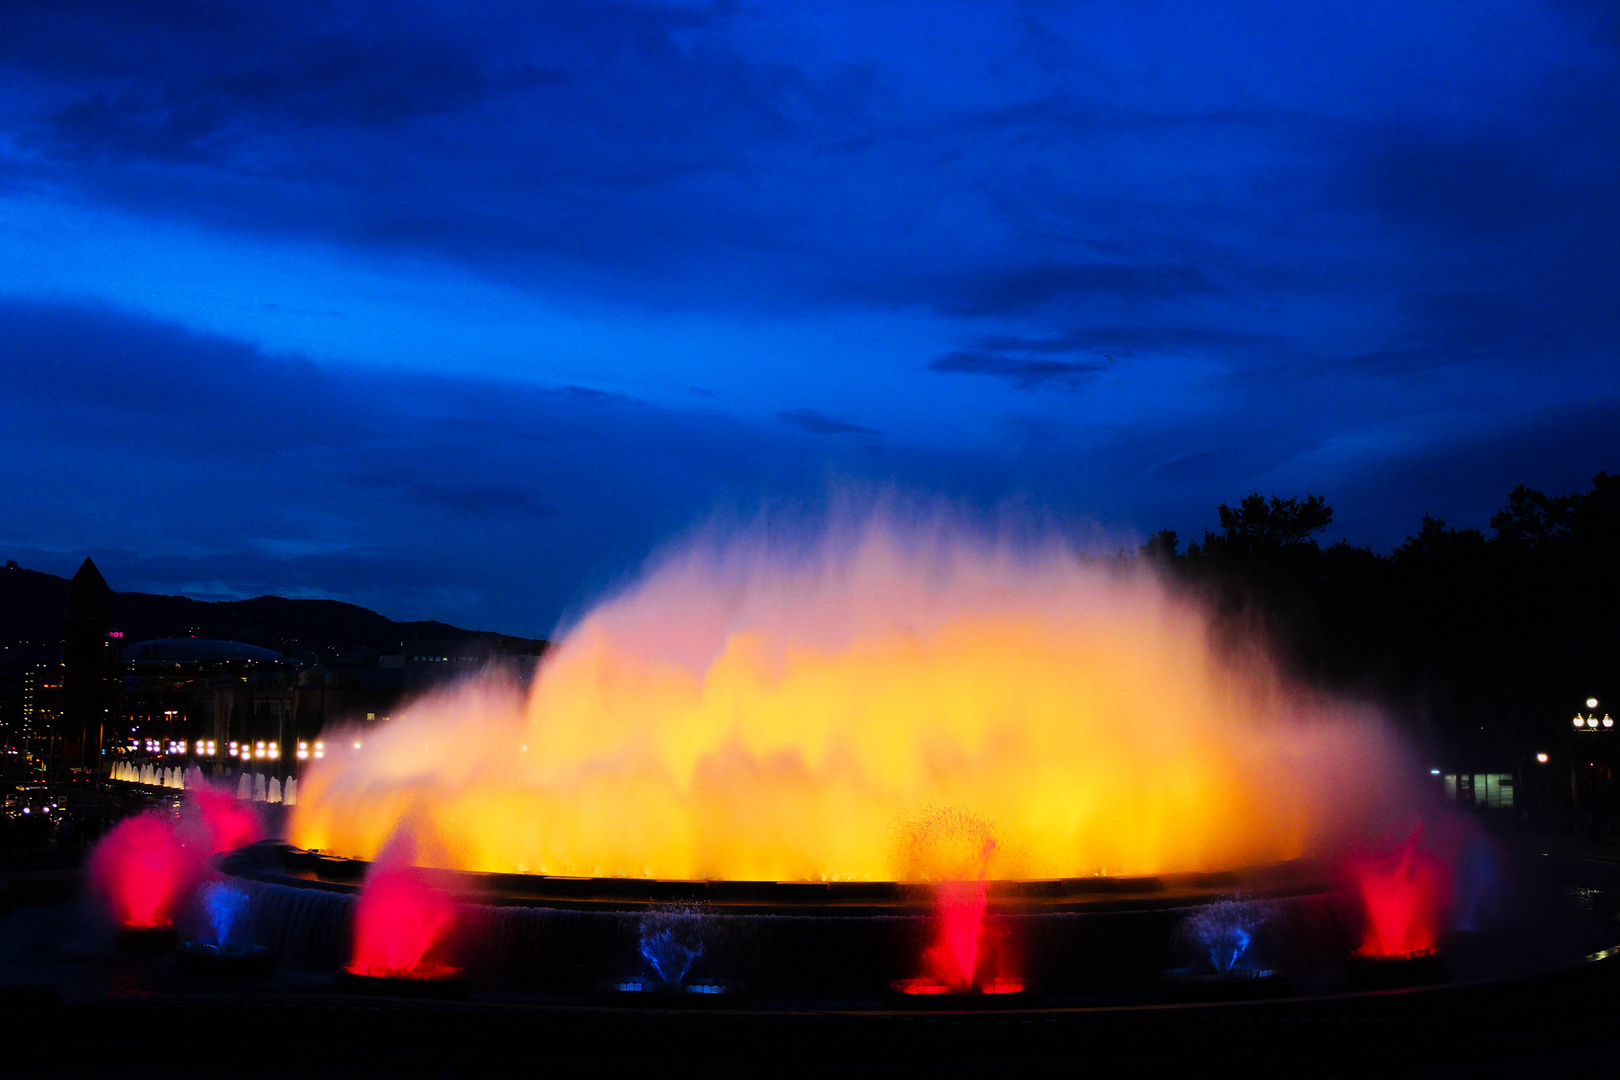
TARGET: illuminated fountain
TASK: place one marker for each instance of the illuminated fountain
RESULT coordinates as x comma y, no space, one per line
747,715
763,731
670,938
1404,894
224,952
144,868
401,915
961,966
1221,938
139,873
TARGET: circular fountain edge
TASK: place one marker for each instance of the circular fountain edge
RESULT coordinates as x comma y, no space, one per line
276,862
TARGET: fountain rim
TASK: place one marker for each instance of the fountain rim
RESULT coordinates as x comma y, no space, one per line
279,863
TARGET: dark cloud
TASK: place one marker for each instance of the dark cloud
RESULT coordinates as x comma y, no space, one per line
1023,372
198,464
1127,340
1481,185
1599,17
1458,329
482,500
204,460
103,369
593,396
1306,255
1032,287
817,423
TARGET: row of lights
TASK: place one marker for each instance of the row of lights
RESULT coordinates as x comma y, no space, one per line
261,750
1590,721
174,747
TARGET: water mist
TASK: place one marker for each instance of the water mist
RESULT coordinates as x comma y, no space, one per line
740,712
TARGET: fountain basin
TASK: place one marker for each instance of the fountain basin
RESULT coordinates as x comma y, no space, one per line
793,941
1238,984
1421,967
245,963
639,992
432,981
929,993
147,939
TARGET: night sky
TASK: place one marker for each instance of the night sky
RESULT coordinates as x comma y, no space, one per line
459,315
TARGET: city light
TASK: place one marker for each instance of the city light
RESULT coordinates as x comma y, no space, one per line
1542,758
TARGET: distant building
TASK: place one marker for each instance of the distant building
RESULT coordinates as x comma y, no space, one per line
91,697
223,704
164,688
42,705
86,694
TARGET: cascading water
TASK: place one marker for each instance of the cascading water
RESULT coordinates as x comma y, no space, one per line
745,713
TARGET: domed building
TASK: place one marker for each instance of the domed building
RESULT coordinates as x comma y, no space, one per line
169,700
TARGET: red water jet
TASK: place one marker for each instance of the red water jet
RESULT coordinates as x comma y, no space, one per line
1403,894
140,869
955,960
399,916
961,923
227,824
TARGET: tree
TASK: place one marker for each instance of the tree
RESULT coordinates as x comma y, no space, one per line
1275,523
1160,547
1258,530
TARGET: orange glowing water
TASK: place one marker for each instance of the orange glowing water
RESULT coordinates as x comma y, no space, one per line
747,715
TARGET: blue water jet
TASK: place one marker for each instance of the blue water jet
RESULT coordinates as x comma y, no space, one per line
671,938
226,905
1224,930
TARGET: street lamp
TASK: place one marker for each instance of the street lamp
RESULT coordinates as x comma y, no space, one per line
1589,721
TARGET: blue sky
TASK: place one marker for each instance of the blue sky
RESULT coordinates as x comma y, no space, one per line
457,311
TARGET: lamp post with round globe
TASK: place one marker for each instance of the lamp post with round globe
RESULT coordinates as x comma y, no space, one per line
1590,723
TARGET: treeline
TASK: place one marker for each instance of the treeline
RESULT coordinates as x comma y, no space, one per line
1490,643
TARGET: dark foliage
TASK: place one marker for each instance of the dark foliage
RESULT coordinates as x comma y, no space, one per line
1488,644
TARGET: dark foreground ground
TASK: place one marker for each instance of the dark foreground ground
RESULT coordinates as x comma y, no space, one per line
72,1006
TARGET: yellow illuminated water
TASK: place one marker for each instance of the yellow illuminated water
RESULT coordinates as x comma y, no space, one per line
841,713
